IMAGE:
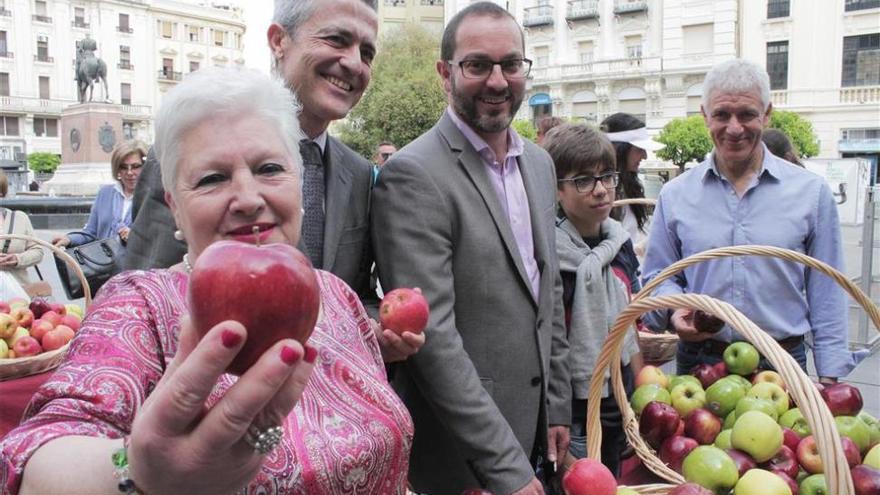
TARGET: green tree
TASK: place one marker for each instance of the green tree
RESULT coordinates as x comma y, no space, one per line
686,139
798,129
42,162
405,97
525,128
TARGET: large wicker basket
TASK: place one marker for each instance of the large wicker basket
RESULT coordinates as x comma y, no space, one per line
809,400
656,347
20,367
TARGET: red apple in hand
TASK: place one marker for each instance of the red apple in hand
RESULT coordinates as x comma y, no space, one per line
706,323
271,289
589,477
404,310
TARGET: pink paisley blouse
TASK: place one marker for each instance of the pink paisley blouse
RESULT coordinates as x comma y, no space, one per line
349,433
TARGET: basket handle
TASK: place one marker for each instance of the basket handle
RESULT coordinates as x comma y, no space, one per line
87,291
809,400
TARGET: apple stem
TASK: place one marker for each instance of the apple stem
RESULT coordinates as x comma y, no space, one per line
257,235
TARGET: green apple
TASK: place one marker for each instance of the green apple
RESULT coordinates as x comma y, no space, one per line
813,485
756,434
873,425
756,404
75,309
688,396
759,481
711,468
872,458
741,358
623,490
729,420
722,441
676,380
855,429
794,419
649,393
742,381
722,396
772,392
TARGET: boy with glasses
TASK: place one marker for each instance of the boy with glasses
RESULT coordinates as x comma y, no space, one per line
598,266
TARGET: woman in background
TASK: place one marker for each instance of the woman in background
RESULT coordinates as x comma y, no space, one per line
17,255
778,144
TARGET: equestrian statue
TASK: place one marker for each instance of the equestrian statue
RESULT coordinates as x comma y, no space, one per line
89,69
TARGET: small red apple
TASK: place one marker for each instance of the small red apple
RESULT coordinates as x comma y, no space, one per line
842,399
71,321
675,449
785,461
58,308
658,422
57,338
404,310
270,289
52,317
792,484
26,346
866,480
808,456
39,306
23,316
39,328
850,451
702,426
589,477
743,461
790,439
704,322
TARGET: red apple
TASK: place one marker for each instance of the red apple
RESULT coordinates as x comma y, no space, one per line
843,399
743,461
589,477
702,426
690,489
4,307
57,338
23,316
71,321
768,376
850,451
52,317
39,328
404,310
39,306
8,325
785,461
652,374
721,368
675,449
26,346
58,308
866,480
808,456
790,481
704,322
271,289
658,422
790,439
707,374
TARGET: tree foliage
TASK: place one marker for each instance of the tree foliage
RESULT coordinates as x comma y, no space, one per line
798,129
686,139
43,162
405,97
525,128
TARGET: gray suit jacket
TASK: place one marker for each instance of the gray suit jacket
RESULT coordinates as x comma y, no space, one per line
347,250
493,371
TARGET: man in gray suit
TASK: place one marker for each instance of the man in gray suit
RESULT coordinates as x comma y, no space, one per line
466,212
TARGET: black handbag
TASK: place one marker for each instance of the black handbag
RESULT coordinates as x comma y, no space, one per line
99,261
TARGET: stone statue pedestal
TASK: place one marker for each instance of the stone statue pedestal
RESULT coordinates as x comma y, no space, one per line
89,132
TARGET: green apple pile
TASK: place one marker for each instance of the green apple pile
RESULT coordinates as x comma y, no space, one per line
28,328
732,429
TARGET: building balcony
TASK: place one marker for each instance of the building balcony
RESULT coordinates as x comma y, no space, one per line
44,58
42,18
125,65
136,112
79,24
430,3
581,10
630,6
170,75
539,15
7,55
817,98
5,13
599,69
124,29
21,104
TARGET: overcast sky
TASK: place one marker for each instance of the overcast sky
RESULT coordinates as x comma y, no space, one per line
257,15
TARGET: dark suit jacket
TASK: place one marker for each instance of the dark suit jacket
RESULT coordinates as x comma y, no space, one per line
347,250
493,371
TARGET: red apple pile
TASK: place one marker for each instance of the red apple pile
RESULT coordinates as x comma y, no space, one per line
31,328
732,428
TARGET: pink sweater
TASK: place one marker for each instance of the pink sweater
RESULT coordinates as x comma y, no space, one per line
349,434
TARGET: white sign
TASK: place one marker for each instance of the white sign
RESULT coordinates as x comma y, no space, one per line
848,179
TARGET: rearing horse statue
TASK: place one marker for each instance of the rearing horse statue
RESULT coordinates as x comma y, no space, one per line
89,69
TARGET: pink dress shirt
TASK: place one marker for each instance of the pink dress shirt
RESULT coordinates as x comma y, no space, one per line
349,433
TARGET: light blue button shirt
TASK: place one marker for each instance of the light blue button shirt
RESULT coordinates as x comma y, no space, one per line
784,206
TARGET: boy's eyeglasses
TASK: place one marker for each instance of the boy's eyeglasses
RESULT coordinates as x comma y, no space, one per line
586,183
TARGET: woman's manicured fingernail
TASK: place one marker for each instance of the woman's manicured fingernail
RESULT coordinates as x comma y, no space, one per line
289,355
311,354
230,339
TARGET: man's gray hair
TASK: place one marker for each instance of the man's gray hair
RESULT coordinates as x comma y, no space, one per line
737,76
291,14
229,93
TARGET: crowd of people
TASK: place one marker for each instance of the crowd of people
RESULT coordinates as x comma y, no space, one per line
516,246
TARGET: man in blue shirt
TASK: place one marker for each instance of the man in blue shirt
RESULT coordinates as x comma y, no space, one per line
742,194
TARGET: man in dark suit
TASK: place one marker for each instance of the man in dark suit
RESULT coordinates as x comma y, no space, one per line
466,212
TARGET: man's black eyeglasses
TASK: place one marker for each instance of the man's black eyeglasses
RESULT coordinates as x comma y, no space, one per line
512,68
586,183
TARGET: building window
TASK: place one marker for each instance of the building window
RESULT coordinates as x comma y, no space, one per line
852,5
219,37
125,57
193,66
128,130
633,47
44,88
4,84
45,127
193,33
79,18
123,26
861,60
698,38
542,56
125,93
8,125
237,41
778,8
167,29
777,64
585,52
3,46
43,50
168,68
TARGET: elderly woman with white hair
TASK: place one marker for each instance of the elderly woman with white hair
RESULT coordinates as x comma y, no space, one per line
140,388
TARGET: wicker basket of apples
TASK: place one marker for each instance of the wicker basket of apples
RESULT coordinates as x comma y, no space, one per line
749,432
656,347
35,335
